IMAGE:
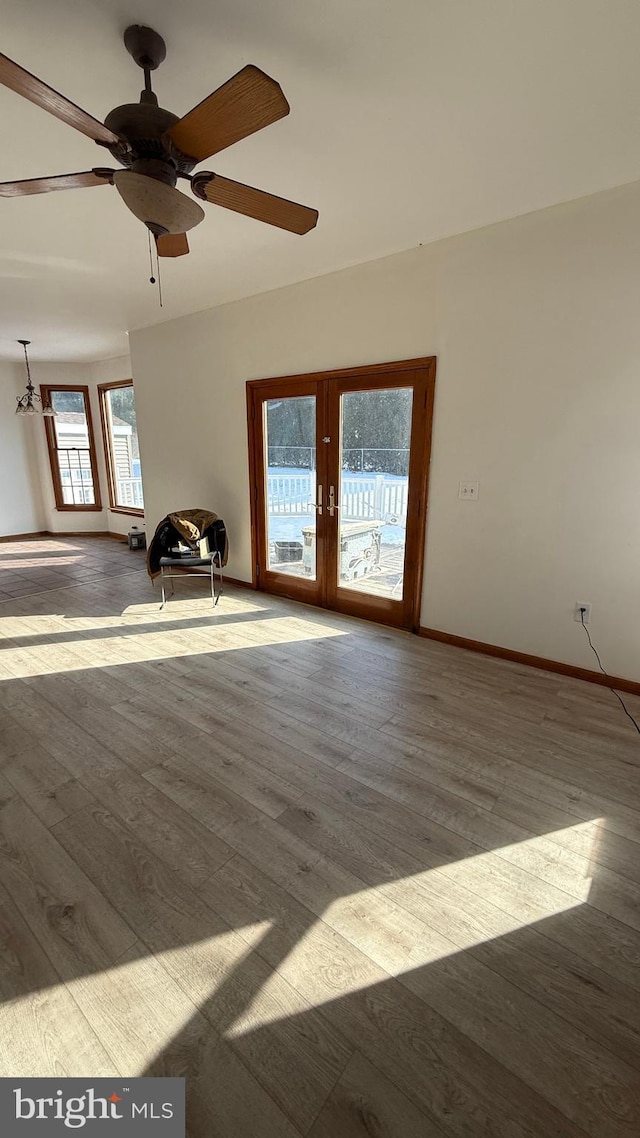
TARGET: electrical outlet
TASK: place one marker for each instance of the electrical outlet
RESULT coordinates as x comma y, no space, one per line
582,616
468,490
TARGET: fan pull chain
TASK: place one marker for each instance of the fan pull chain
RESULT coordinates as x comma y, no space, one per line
152,279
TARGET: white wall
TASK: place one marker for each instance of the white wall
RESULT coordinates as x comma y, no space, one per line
535,325
27,501
21,505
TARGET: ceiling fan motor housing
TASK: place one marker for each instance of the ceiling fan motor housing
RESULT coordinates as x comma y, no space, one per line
144,127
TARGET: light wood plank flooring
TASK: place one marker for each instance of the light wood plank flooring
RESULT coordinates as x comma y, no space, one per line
346,881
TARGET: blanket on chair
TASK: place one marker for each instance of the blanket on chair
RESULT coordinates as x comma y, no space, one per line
188,526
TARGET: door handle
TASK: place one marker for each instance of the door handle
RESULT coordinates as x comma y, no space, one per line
331,508
318,504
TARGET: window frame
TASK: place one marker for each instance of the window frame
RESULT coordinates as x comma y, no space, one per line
46,390
103,391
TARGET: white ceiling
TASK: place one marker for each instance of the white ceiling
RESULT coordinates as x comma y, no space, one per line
410,120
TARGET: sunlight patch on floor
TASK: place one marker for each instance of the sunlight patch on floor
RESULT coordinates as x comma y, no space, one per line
451,911
129,1014
131,647
125,1016
49,624
41,562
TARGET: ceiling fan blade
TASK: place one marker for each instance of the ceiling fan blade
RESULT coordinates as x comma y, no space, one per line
246,103
172,245
32,88
254,203
56,182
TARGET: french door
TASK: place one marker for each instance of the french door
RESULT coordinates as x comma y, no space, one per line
339,466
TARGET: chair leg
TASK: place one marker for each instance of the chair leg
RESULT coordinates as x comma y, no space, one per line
162,584
213,586
218,562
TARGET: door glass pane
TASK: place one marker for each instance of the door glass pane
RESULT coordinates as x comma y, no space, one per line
290,478
375,433
73,448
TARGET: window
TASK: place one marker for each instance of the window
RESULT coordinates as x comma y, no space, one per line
71,448
120,432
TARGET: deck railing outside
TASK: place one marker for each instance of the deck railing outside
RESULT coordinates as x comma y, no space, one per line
379,498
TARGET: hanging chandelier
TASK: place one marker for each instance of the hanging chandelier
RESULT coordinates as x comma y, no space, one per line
31,403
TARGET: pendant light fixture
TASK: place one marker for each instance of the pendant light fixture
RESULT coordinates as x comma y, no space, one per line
31,403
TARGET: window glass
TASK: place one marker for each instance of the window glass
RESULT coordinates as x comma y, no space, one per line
123,452
72,448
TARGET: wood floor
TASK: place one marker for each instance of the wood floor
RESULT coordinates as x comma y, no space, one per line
346,881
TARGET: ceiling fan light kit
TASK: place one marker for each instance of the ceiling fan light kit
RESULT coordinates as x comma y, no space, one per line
156,147
162,208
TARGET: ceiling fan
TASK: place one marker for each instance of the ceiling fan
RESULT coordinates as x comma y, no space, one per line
156,147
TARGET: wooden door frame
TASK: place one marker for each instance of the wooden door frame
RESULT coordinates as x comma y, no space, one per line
368,605
258,392
421,372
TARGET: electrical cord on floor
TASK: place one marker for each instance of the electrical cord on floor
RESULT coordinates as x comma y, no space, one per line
618,697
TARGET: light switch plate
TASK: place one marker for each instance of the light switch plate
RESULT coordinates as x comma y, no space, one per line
469,491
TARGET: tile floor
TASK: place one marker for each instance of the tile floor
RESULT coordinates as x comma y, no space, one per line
36,565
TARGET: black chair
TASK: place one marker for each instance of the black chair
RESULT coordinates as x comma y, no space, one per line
191,564
212,560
